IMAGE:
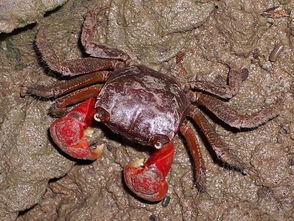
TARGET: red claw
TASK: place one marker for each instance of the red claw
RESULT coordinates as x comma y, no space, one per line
68,132
148,180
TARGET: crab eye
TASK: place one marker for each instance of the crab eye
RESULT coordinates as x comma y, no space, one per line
97,117
159,140
158,145
101,115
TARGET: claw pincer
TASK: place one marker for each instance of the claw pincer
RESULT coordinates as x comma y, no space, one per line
68,132
148,180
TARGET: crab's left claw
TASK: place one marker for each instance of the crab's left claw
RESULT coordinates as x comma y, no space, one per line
147,180
68,134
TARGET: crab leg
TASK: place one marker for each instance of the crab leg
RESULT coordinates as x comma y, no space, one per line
147,180
68,132
194,148
235,80
72,67
98,50
231,116
222,152
59,107
62,88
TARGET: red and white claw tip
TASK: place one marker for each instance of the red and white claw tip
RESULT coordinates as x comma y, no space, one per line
147,180
68,133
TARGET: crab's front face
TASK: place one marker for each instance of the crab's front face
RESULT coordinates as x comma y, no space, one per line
142,105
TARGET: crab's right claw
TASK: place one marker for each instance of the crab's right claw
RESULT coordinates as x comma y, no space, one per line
147,180
68,134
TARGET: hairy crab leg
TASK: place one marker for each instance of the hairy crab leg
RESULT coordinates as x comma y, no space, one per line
147,180
193,145
72,67
68,132
220,149
231,116
61,88
98,50
59,107
235,80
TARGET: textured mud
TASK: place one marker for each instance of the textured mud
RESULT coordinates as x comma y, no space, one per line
19,13
202,37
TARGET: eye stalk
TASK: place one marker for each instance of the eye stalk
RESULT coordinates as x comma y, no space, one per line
101,115
159,140
158,145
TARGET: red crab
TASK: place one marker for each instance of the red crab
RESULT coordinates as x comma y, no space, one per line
141,104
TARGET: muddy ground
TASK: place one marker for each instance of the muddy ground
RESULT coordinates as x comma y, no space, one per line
205,38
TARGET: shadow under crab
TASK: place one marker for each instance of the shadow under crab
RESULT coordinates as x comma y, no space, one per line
142,105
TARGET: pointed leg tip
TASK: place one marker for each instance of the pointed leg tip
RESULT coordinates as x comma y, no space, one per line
201,187
23,91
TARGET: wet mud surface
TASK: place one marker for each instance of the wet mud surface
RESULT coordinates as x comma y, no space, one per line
194,39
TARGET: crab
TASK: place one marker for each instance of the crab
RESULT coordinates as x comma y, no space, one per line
142,105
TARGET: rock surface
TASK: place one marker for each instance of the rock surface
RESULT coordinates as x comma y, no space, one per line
19,13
